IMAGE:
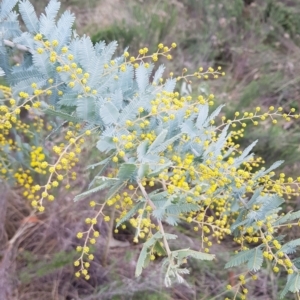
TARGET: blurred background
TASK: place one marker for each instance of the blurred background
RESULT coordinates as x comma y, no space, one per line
257,43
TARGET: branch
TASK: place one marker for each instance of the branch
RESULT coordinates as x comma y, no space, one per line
18,46
3,205
161,228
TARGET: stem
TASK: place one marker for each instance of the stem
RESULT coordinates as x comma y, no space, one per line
88,236
18,46
109,236
161,228
164,238
140,221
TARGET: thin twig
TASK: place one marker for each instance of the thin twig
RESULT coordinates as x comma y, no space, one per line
109,235
161,228
18,46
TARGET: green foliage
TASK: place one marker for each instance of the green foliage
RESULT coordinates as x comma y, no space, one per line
283,16
253,258
148,27
167,157
39,268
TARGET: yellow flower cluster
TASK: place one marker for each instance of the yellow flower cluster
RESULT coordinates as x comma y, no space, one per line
197,182
162,50
37,160
65,58
207,184
61,169
91,235
25,177
11,144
